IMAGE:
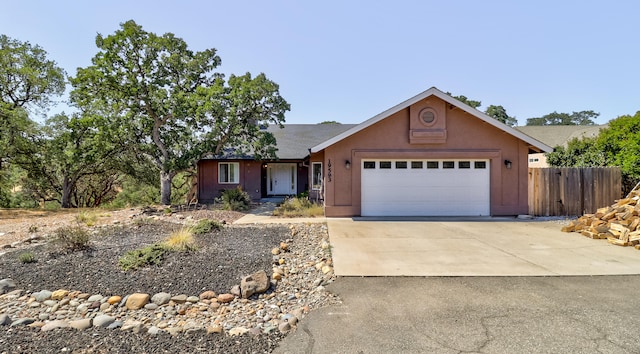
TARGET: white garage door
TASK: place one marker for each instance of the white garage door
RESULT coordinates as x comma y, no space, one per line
425,187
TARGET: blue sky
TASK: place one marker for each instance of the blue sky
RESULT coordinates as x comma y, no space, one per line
349,60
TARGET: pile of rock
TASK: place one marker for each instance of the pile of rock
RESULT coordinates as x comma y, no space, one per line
618,223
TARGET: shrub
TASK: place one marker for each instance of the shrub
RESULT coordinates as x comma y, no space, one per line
181,240
88,218
150,255
206,225
27,257
299,207
236,199
72,237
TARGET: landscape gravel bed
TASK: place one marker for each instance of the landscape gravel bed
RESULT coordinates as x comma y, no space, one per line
296,256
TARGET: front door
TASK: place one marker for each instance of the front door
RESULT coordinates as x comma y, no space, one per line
281,179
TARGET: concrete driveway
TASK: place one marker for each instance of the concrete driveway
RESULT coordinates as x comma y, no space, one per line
471,247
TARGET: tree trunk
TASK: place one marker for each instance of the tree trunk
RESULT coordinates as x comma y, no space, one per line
165,187
66,192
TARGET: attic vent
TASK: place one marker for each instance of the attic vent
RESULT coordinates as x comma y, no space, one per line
427,116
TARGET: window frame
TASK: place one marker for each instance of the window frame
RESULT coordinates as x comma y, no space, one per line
236,175
316,186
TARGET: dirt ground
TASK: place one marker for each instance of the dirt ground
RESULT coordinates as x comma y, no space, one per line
21,224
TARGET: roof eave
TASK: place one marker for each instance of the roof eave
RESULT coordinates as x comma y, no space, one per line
445,97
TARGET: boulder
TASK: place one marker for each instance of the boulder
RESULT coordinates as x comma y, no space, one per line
255,283
6,285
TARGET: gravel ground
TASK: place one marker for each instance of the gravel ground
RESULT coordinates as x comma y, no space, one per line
222,259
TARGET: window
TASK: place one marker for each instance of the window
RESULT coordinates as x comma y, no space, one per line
401,164
480,164
416,164
448,164
369,165
316,178
228,172
385,164
464,164
433,164
533,160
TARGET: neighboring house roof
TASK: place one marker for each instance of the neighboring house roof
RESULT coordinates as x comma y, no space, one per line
555,135
447,98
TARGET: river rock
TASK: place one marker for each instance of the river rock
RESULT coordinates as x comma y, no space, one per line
59,294
225,298
179,299
103,321
137,301
5,320
42,295
161,298
54,324
207,295
81,324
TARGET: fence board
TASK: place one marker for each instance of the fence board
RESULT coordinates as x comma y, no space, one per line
559,191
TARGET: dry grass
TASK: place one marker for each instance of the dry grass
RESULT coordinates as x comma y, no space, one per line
181,240
299,208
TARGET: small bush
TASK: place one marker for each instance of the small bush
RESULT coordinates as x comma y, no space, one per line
181,240
236,199
72,238
33,228
27,257
88,218
206,225
299,207
150,255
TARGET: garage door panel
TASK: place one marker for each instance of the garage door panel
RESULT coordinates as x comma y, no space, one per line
424,192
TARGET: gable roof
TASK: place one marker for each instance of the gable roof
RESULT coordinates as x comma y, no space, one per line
294,140
554,135
443,96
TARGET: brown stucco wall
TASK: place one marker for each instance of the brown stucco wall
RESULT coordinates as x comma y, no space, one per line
466,137
209,188
252,179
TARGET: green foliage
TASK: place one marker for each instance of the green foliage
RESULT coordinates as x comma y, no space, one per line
135,193
27,257
299,207
147,256
236,199
616,145
28,81
167,103
467,101
575,118
206,225
578,153
329,122
500,114
72,238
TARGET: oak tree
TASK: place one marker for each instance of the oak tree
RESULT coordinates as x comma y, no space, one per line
170,106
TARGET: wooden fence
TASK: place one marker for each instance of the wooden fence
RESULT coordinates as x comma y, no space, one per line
559,191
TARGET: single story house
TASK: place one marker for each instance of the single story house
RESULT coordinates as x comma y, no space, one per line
556,135
430,155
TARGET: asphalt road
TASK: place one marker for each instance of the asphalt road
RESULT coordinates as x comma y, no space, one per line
598,314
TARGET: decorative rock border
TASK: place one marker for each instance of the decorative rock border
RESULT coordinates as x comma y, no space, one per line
298,277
